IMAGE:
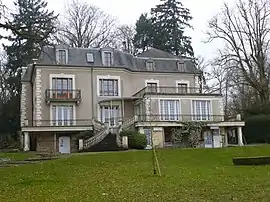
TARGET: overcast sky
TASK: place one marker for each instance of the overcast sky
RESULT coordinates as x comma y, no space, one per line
128,11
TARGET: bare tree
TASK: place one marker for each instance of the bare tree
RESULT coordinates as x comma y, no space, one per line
125,35
245,30
85,25
3,78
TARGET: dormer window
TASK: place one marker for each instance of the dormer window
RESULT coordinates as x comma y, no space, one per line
107,59
181,66
61,56
90,57
150,65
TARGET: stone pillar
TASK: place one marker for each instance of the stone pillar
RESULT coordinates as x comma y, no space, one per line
80,144
240,136
125,142
147,109
223,133
26,141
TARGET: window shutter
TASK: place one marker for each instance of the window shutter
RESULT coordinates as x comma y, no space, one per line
57,56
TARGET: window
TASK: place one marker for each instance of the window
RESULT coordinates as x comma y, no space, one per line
62,115
181,66
108,59
90,57
62,88
62,56
201,110
182,88
208,138
170,110
108,87
110,115
152,87
150,66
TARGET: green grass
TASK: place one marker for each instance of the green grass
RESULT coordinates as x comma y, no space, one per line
17,156
187,175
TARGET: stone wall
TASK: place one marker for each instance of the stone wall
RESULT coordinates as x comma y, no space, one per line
46,142
49,143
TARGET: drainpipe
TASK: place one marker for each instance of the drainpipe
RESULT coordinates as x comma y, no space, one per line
92,91
31,82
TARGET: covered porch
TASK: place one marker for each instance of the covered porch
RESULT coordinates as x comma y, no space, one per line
116,111
52,139
213,135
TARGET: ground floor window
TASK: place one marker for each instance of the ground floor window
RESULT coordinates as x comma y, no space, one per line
201,110
62,115
147,132
110,115
170,110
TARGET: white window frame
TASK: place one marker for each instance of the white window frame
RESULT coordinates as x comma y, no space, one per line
57,56
59,104
160,110
152,81
109,77
195,113
109,105
103,58
183,82
180,68
63,76
90,57
153,65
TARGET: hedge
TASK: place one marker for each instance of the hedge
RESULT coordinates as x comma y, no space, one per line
257,129
135,139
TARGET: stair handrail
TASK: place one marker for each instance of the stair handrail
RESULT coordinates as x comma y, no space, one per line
98,137
129,122
118,137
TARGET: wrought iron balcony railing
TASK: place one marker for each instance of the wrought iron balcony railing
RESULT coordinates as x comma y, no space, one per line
180,117
54,95
171,90
58,123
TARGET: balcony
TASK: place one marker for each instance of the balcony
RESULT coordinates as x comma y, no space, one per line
180,118
52,95
58,123
171,90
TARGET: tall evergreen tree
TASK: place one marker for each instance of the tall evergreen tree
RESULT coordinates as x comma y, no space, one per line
169,21
144,33
165,28
35,25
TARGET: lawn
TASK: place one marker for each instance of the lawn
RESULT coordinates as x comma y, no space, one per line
17,155
187,175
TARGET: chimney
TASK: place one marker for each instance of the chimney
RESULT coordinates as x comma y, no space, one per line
124,43
24,71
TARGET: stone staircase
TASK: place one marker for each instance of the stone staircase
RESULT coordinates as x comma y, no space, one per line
101,130
128,124
101,140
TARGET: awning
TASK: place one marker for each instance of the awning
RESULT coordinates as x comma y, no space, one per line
119,99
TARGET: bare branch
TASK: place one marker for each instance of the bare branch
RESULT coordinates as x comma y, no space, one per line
86,26
245,30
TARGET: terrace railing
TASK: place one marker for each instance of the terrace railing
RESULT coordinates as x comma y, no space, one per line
180,117
173,90
57,123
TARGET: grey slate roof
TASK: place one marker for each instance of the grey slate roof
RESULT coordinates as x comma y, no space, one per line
164,62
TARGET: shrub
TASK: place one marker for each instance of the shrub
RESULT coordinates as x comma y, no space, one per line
85,135
135,139
257,129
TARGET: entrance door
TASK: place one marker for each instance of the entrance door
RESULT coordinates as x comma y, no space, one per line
147,133
217,139
64,145
208,139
